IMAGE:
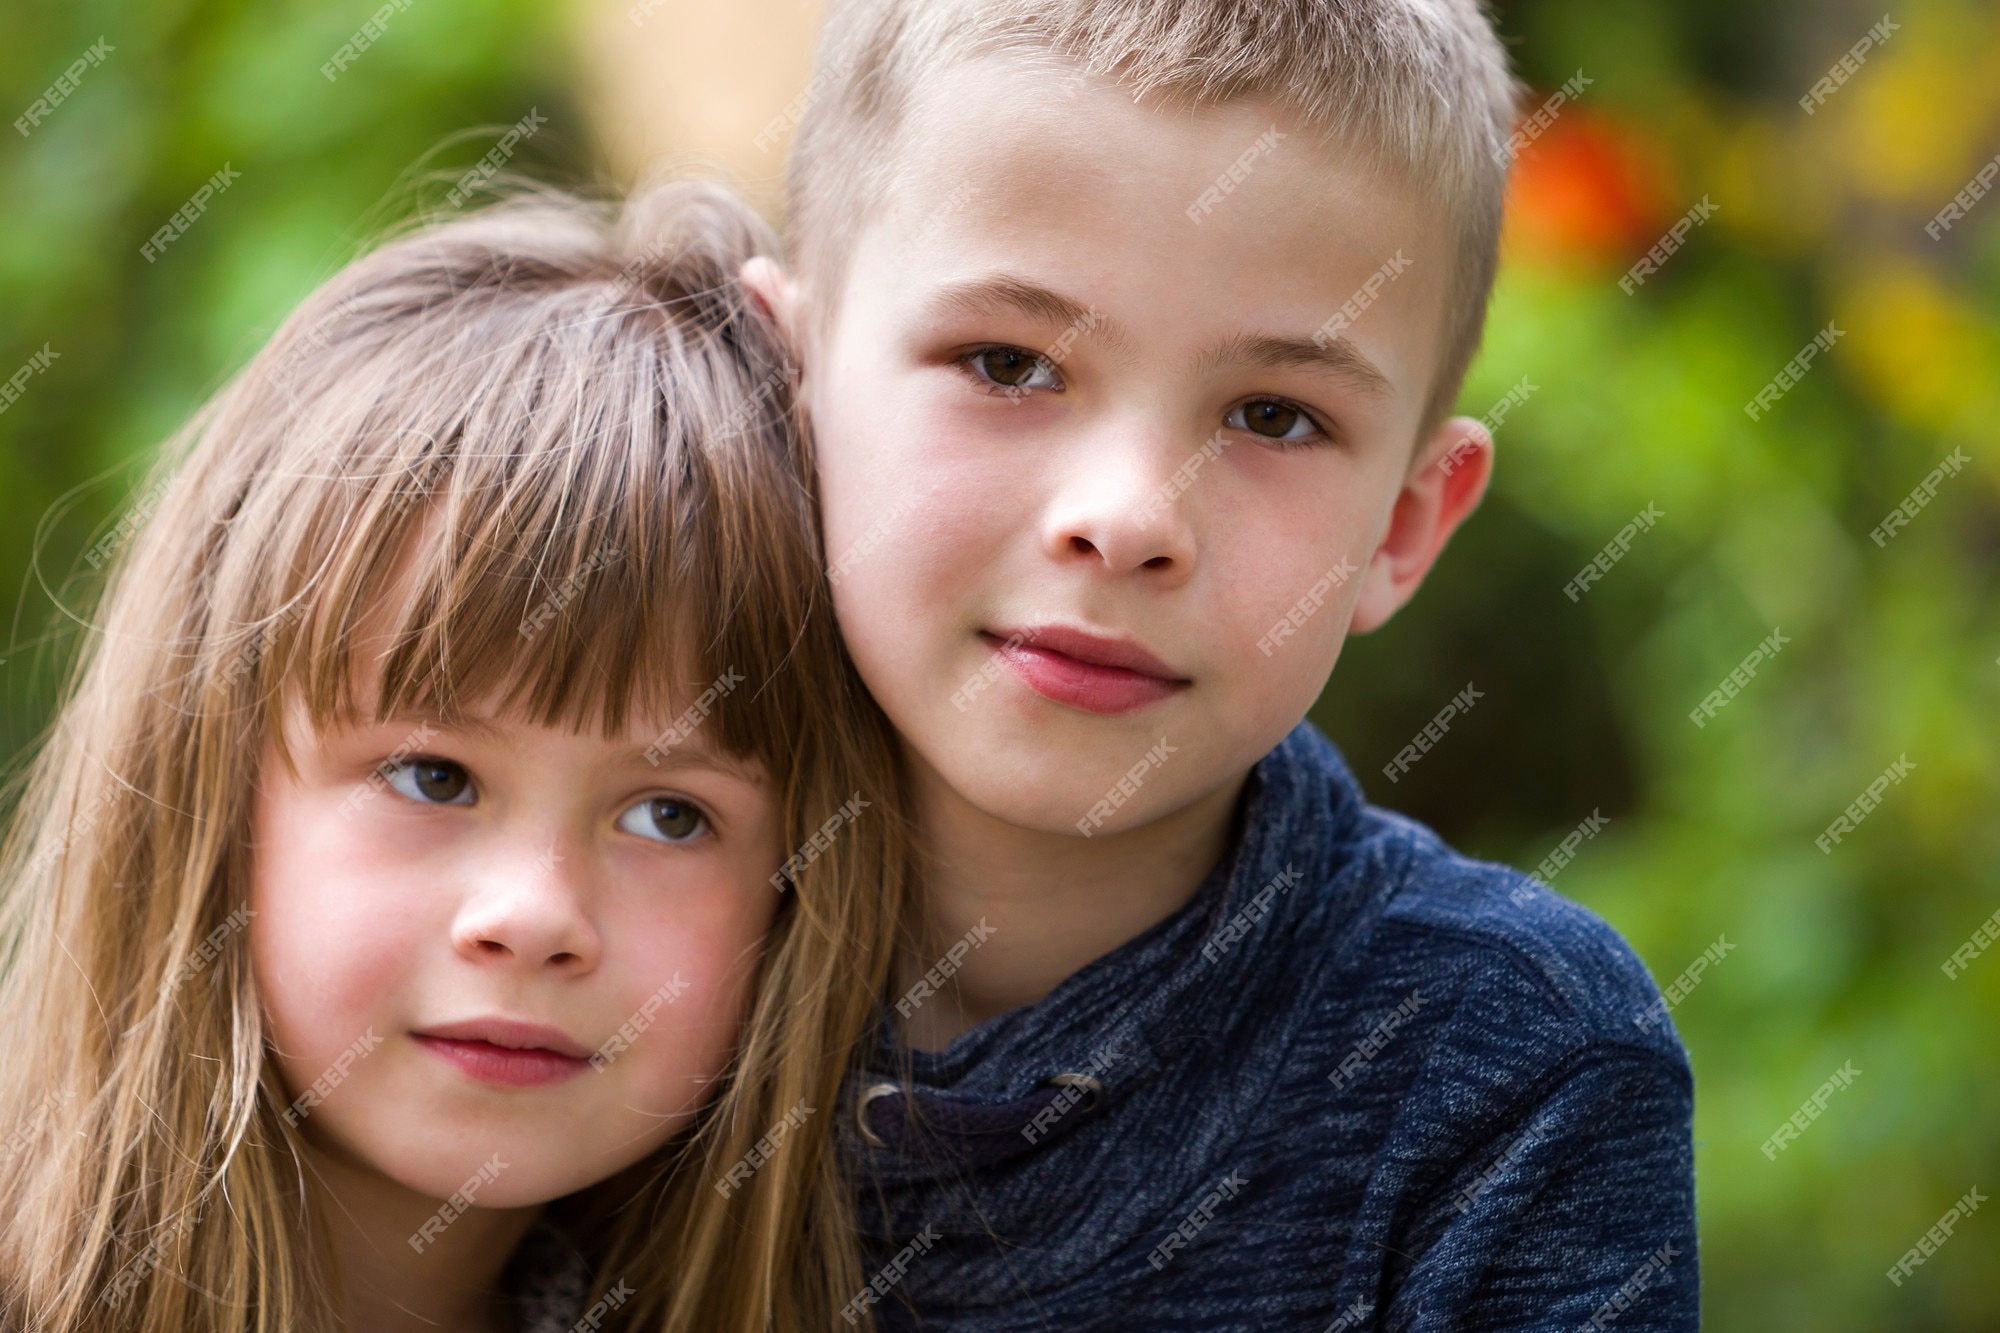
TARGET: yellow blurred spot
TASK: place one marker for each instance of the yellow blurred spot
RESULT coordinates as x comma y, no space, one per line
1771,195
1916,348
1917,119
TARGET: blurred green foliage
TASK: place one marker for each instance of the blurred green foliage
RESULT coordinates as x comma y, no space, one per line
180,91
1638,400
1894,648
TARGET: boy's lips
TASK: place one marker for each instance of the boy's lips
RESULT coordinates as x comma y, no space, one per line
1094,672
506,1051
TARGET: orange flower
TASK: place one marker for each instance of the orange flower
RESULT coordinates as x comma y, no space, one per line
1588,190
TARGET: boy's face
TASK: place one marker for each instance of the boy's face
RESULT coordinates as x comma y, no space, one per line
1187,470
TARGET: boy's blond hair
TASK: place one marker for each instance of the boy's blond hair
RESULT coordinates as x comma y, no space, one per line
1419,87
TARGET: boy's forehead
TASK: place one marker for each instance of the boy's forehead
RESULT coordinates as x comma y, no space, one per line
1006,164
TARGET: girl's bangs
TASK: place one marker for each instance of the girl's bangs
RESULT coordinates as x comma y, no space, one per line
504,530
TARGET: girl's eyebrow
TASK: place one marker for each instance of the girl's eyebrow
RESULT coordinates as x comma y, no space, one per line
686,753
475,728
700,757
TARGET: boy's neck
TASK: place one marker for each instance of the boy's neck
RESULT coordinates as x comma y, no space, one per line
1050,902
452,1287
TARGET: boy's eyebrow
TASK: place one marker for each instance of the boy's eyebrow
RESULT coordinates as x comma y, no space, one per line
1004,292
1338,357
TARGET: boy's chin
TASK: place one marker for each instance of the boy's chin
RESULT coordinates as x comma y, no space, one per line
1052,783
1059,771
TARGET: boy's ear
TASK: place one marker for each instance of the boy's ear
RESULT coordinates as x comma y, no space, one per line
1445,483
774,292
778,296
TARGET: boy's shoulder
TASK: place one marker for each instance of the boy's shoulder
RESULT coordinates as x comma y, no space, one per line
1389,908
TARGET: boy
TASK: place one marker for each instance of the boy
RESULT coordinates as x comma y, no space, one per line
1129,331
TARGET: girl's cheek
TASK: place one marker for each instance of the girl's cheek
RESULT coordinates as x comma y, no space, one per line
710,966
328,938
681,1069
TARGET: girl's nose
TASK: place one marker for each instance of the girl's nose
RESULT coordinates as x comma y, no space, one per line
528,910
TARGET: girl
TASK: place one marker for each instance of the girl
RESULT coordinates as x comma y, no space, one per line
391,938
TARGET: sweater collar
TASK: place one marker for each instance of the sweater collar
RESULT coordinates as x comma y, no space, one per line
1027,1078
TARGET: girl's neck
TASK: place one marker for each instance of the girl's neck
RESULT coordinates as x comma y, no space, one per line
453,1286
1051,903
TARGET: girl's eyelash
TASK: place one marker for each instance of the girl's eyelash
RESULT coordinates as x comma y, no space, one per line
699,810
964,362
678,799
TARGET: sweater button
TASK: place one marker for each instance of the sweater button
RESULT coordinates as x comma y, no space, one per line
1090,1086
868,1095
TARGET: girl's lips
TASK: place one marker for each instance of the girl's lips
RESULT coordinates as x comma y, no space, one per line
1065,680
510,1067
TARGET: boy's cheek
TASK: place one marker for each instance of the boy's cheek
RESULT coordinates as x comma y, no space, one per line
911,571
1268,696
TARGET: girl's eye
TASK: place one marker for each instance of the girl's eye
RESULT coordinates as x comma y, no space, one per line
1272,419
432,781
664,819
1013,369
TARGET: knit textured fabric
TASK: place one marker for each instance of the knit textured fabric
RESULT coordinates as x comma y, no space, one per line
1358,1082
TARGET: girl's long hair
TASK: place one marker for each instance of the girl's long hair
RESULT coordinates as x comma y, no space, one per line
571,424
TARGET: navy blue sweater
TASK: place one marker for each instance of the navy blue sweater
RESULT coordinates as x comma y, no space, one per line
1359,1082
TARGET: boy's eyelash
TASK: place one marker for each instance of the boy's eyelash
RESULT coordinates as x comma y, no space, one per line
1323,433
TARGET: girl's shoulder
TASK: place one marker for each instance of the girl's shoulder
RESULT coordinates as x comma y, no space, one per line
549,1280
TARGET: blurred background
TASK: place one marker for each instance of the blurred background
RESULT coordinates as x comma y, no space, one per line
1623,401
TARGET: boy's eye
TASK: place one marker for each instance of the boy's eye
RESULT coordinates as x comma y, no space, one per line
1013,368
1272,419
664,819
432,781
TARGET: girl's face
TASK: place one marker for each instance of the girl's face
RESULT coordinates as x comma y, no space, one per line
502,959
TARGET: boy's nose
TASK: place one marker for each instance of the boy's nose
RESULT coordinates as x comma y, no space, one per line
527,911
1125,505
